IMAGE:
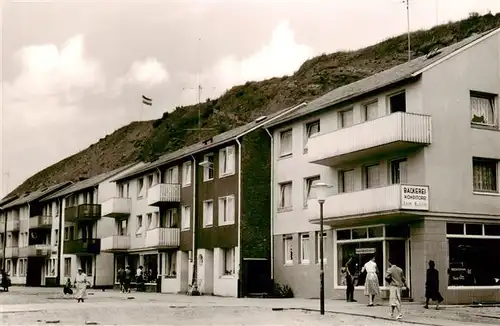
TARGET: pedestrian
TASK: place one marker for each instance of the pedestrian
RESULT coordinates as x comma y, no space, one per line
67,287
81,283
119,275
432,286
349,281
372,287
5,280
139,278
127,277
396,279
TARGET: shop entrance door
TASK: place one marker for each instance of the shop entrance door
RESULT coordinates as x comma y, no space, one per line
397,250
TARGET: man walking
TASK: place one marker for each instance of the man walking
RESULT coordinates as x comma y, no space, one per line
395,278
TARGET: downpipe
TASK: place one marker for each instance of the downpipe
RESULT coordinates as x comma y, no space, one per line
239,220
272,203
194,282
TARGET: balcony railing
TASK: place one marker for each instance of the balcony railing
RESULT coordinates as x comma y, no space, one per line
391,133
40,222
162,237
11,252
82,247
115,243
164,193
116,207
397,198
39,250
84,212
13,225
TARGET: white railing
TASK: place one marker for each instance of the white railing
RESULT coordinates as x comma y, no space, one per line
397,127
164,192
371,201
116,207
13,225
11,252
116,242
162,237
40,221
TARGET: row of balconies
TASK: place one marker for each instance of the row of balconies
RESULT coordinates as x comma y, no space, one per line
39,250
158,238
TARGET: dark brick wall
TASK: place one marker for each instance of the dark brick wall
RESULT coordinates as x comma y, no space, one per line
256,195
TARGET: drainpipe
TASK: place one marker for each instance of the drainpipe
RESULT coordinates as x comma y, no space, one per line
4,239
59,240
96,191
194,282
272,202
239,217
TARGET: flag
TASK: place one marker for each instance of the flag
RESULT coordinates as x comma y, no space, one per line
147,100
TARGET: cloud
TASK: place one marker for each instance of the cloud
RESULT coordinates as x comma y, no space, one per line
47,70
281,56
146,73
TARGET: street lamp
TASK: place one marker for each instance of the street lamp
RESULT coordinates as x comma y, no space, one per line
321,192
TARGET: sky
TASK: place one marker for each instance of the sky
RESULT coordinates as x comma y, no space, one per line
74,71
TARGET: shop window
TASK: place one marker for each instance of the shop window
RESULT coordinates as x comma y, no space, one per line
150,270
492,230
474,229
344,234
119,264
360,233
358,254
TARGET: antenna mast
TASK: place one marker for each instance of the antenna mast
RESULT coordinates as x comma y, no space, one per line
408,26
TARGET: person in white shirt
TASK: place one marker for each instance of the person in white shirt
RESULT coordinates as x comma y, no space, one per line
371,282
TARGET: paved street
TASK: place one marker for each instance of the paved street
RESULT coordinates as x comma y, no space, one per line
32,306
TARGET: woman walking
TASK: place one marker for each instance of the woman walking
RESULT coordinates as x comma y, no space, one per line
371,282
81,284
432,286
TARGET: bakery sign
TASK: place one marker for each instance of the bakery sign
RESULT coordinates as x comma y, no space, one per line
415,197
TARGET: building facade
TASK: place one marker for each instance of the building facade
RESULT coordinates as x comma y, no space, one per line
411,156
212,198
28,238
3,227
83,226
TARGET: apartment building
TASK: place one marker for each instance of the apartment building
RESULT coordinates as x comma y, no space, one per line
411,159
82,227
3,226
27,237
212,196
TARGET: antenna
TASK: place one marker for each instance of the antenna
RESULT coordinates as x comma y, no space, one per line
408,26
7,174
199,89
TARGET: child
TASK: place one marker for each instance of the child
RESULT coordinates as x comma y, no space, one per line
349,281
67,287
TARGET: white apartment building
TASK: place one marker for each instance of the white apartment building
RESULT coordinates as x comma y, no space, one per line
83,227
411,157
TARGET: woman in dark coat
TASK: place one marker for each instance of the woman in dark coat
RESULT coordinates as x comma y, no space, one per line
432,286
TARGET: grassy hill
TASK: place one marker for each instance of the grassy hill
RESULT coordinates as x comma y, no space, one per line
243,103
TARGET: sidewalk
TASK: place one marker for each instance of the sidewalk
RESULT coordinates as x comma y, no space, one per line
53,299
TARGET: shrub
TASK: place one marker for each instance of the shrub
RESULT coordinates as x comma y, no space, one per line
282,291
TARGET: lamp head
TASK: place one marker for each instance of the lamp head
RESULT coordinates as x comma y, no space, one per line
206,164
321,190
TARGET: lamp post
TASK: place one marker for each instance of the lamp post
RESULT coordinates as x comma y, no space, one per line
321,189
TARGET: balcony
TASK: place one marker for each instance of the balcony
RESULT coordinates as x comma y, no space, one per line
82,247
84,212
40,222
13,225
116,243
392,133
164,193
11,252
162,238
398,200
39,250
116,207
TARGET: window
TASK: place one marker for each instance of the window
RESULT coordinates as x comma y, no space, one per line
482,108
8,266
208,171
50,267
121,190
470,247
312,129
122,227
208,213
140,188
398,171
228,261
149,224
22,267
186,217
171,264
397,102
288,249
169,218
346,118
371,111
150,179
226,210
171,175
484,175
14,267
186,173
86,265
318,239
285,200
226,161
346,180
372,176
286,143
304,248
140,228
309,191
